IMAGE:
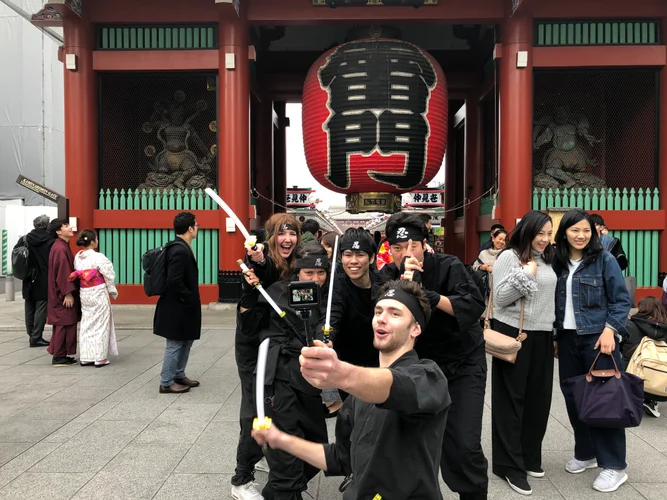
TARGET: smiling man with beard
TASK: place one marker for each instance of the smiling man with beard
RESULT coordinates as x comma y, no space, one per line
389,432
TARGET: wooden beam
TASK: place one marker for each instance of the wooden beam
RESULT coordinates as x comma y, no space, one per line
603,56
156,219
288,12
134,294
155,60
598,9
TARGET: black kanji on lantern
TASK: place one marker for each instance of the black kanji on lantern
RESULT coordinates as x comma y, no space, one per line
378,94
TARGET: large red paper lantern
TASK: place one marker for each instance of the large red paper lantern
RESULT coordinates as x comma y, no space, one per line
375,117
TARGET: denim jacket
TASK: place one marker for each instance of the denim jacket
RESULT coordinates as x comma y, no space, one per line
599,296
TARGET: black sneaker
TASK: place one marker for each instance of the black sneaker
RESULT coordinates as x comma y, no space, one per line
520,485
63,361
651,408
535,472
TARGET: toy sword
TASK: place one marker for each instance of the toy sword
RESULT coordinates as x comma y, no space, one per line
327,325
250,241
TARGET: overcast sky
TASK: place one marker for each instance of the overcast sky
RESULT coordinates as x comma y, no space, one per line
297,169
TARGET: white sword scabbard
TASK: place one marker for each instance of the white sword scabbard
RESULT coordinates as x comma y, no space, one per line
250,241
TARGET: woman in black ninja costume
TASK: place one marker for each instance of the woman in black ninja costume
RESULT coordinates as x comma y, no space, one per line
269,262
291,402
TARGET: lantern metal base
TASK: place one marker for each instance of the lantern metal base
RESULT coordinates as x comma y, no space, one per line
358,203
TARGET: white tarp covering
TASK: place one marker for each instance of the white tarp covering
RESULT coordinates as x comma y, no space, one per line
31,107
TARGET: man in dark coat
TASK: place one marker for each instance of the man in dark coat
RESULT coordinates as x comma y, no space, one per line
178,312
64,307
35,287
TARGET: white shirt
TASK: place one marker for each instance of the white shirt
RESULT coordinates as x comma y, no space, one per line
569,322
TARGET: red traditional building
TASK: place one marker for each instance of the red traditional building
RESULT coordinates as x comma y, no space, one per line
551,105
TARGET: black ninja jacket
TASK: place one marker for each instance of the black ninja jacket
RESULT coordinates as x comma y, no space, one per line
394,448
447,339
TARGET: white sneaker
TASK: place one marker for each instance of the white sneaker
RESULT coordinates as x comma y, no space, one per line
246,491
609,480
262,465
575,466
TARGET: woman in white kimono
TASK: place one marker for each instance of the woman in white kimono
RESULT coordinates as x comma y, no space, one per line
97,337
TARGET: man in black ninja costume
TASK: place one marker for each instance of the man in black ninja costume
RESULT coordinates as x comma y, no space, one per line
396,411
354,296
454,340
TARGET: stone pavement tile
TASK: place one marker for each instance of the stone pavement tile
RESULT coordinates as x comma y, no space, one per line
9,347
8,451
69,430
21,430
55,486
56,410
82,393
230,410
30,393
558,437
645,463
213,390
580,486
8,409
183,409
12,469
30,372
196,487
652,491
214,451
120,486
149,409
155,459
542,488
224,367
168,429
92,448
24,356
652,431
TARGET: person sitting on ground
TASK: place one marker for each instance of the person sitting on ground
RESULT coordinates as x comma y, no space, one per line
396,411
649,321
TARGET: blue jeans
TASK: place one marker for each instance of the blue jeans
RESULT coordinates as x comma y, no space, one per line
575,357
175,360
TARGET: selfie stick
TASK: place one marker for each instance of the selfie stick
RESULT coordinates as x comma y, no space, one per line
250,241
327,325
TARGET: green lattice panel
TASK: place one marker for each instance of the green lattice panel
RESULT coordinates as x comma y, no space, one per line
157,37
593,32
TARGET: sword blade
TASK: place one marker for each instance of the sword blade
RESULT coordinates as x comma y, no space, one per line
259,383
230,213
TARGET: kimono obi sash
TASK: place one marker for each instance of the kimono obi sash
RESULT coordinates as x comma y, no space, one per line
88,278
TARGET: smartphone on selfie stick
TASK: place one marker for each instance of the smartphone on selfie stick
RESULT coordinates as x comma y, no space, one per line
303,297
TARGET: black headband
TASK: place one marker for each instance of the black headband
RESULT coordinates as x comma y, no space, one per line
362,245
409,301
286,227
406,233
313,262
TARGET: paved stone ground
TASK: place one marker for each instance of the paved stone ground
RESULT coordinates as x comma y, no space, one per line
106,433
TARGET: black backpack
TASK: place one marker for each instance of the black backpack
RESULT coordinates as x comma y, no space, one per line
21,260
154,263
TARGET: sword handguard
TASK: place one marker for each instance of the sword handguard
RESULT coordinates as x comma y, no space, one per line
261,424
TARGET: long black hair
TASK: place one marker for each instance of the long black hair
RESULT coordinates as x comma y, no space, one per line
522,236
591,251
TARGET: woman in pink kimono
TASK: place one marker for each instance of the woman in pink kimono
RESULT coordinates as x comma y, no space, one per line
97,337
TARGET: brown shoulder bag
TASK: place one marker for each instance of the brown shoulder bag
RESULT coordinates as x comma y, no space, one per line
498,344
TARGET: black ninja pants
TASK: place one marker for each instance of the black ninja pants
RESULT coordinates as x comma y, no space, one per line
248,452
298,414
463,465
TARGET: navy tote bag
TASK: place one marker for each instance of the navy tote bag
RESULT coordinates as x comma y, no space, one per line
608,398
